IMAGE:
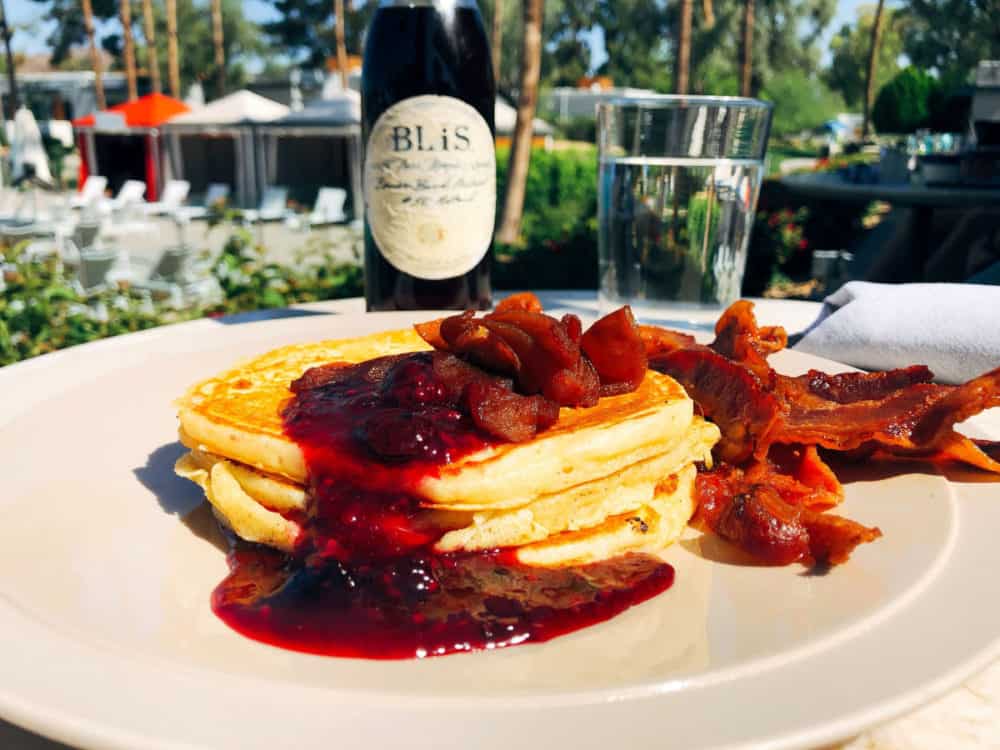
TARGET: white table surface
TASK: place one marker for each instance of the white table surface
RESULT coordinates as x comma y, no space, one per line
966,719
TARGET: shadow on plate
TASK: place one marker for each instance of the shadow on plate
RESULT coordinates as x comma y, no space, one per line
178,496
879,469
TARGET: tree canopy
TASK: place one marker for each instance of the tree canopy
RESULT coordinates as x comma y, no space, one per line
850,47
943,38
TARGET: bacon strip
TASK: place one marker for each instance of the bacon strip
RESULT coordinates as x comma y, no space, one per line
747,509
770,494
897,412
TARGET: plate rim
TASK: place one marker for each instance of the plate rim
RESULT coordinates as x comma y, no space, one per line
76,729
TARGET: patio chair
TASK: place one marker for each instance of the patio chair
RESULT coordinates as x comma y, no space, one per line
92,192
217,192
175,192
85,235
95,264
130,194
273,206
178,280
329,207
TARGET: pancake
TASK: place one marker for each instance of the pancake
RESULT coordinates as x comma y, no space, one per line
640,509
602,481
237,415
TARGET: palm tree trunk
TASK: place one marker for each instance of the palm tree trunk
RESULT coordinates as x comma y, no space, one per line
125,12
708,10
339,34
496,38
95,57
173,64
872,65
683,68
11,78
746,65
520,149
218,42
152,58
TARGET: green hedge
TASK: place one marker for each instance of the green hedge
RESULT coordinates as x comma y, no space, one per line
904,104
558,247
42,309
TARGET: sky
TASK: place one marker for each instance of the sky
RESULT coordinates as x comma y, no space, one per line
30,28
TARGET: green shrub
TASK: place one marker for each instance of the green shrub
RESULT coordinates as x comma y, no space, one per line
249,282
904,104
800,102
578,129
42,309
558,246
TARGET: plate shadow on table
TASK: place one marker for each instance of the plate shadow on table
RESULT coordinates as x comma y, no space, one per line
664,322
255,316
179,497
13,737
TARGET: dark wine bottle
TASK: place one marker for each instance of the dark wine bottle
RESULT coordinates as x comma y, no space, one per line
428,98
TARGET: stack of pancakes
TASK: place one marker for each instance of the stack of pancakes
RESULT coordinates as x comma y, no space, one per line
614,478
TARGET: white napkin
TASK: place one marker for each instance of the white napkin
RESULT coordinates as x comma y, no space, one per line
952,328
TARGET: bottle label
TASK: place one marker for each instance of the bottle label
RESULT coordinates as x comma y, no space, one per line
430,186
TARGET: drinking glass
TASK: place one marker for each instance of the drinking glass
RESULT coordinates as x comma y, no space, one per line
677,190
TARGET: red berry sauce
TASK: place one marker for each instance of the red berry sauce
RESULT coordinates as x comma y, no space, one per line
366,582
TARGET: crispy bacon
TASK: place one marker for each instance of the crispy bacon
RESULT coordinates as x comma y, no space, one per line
896,412
740,339
748,508
770,493
848,387
728,394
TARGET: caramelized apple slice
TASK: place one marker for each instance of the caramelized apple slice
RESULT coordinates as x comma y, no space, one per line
508,415
525,301
615,347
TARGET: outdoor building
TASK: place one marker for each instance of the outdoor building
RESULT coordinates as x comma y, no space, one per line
125,142
215,144
67,94
318,146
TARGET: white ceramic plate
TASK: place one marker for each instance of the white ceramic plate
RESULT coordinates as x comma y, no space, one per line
107,562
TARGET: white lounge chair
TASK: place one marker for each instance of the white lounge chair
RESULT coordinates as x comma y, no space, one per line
129,194
217,193
181,279
175,192
91,193
273,206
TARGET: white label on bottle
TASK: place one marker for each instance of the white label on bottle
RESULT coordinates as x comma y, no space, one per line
430,186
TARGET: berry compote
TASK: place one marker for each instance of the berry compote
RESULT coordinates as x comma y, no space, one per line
366,581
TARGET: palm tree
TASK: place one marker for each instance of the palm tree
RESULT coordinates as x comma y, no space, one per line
95,57
520,150
872,64
496,38
149,31
218,42
339,34
11,79
746,65
173,64
125,13
683,67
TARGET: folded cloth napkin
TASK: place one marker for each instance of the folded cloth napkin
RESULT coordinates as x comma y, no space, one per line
952,328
